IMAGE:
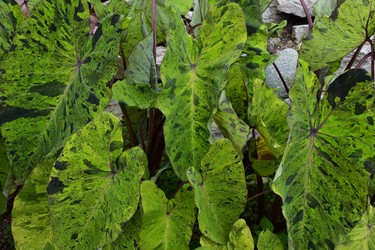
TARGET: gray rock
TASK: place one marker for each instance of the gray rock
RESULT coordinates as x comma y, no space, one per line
364,51
271,15
295,7
299,32
287,64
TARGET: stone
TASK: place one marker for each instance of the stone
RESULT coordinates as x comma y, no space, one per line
287,65
271,15
299,32
294,7
366,65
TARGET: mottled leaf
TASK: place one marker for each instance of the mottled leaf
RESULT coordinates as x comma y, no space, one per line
334,37
230,125
31,223
166,224
269,115
62,75
4,175
267,240
220,190
94,186
193,72
322,178
363,235
324,8
135,90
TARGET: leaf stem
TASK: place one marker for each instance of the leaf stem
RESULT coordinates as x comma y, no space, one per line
363,60
128,123
259,194
307,13
154,30
351,62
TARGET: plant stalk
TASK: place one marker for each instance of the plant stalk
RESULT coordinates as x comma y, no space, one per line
307,13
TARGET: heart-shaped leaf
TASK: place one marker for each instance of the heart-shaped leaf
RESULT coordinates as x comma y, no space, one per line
220,190
331,145
94,186
166,224
334,37
193,72
62,74
268,240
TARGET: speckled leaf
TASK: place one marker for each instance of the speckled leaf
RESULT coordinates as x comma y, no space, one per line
334,37
363,234
4,174
230,125
220,190
323,176
166,224
31,223
62,74
135,90
324,8
129,237
236,90
94,186
269,115
240,236
104,9
267,240
193,74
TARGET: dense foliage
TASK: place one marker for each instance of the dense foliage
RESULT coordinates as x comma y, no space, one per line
294,173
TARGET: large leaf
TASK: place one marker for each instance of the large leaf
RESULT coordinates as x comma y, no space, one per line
62,75
322,178
4,175
94,186
31,223
220,190
193,73
135,90
166,224
363,235
334,37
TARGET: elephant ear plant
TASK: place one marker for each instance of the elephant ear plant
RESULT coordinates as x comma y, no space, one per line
284,176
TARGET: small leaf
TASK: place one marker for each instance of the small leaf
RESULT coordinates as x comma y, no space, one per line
331,144
267,240
31,225
334,37
135,90
193,74
166,224
230,125
363,235
240,236
220,190
94,186
271,121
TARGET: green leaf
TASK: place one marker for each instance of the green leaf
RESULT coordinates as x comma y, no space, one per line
236,89
135,90
253,10
267,240
240,236
334,37
5,173
363,235
94,186
220,190
324,8
323,176
30,215
230,125
271,121
62,75
129,238
193,73
166,224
